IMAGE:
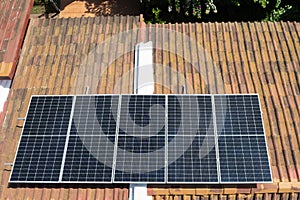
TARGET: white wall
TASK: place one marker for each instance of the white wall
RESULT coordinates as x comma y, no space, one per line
4,91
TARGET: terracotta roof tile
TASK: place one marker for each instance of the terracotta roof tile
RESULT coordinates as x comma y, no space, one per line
14,18
258,60
250,57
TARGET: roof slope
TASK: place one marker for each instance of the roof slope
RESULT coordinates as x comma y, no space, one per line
14,17
261,58
67,56
54,53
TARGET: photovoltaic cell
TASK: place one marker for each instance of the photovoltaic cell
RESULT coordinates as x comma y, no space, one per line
39,158
244,159
90,151
141,139
41,147
48,115
142,115
95,115
242,146
238,115
140,160
89,159
192,159
191,155
190,115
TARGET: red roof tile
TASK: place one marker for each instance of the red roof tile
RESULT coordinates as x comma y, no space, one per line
14,17
250,57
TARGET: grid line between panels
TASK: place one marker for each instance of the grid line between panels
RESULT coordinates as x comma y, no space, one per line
116,140
67,140
216,139
166,139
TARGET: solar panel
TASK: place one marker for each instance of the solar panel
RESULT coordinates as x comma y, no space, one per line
143,139
244,159
89,157
95,115
48,115
41,148
242,145
238,115
38,159
191,141
197,164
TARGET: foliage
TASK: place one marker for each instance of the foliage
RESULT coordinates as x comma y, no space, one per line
157,19
43,6
38,2
263,3
220,10
38,9
277,13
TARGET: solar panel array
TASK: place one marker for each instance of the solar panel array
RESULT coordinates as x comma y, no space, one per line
143,139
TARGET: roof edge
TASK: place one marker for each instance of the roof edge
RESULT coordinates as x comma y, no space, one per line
281,187
7,70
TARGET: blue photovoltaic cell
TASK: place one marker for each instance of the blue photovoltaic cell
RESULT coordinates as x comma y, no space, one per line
140,160
238,115
242,146
190,115
48,115
141,140
95,115
41,148
39,158
198,160
191,155
244,159
89,159
92,138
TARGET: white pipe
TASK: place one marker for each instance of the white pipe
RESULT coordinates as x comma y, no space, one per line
143,84
143,69
138,192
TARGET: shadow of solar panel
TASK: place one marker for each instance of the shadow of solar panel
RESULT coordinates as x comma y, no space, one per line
192,159
244,159
39,158
89,159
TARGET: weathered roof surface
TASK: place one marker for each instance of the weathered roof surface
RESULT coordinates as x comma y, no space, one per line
14,17
67,56
53,61
261,58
